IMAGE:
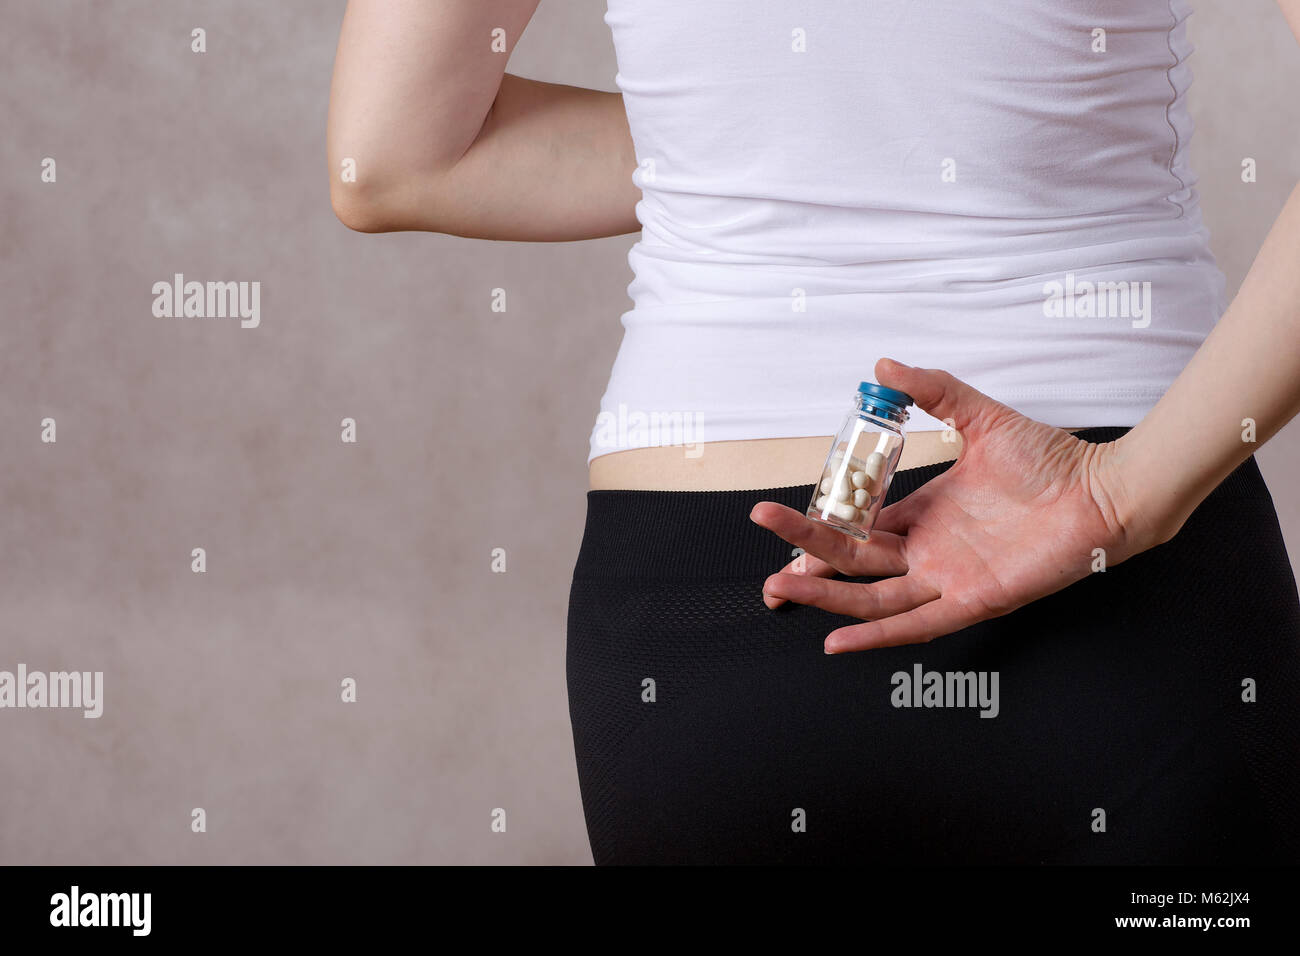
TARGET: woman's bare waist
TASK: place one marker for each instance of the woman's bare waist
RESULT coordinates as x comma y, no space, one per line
736,465
739,465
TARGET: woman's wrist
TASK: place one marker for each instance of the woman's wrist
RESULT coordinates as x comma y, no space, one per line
1147,506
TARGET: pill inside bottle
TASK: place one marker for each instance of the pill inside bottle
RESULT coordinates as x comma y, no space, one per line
861,462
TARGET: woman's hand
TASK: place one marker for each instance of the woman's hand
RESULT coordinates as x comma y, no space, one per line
1020,515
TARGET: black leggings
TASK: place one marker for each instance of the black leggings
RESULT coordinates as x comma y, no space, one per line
709,729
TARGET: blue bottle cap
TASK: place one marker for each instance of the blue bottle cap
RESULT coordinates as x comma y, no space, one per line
873,394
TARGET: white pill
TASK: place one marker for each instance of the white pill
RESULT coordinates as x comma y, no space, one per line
821,503
875,465
859,479
839,491
861,497
845,511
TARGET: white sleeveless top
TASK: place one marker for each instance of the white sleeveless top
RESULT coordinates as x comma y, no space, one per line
998,188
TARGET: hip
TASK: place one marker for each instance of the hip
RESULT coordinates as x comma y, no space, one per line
691,701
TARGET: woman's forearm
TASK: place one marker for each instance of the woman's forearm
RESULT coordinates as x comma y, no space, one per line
426,130
1239,389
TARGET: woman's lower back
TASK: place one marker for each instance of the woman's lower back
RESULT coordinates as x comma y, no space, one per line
734,465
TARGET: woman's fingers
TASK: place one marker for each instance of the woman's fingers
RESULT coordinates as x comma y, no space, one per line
879,599
880,557
916,626
896,518
809,564
944,396
804,564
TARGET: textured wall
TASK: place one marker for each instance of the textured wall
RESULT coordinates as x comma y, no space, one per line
325,559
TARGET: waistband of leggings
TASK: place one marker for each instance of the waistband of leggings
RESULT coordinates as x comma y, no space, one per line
680,535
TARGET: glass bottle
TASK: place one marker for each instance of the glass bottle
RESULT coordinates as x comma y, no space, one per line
861,462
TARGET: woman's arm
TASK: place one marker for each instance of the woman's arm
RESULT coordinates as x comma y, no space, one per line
1246,371
443,140
1026,508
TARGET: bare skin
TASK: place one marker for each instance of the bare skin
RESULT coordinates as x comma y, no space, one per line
733,465
445,141
739,465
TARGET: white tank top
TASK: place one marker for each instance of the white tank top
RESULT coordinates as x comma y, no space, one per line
999,188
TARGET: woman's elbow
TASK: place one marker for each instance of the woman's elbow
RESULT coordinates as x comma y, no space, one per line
395,203
362,208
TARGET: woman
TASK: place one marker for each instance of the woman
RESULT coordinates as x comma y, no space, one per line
996,189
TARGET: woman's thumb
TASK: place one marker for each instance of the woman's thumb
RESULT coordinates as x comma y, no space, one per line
944,396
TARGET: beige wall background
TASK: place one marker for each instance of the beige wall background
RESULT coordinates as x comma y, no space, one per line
328,560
